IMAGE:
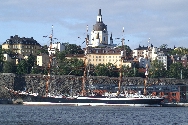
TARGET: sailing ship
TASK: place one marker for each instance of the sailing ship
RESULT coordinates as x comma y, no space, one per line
121,98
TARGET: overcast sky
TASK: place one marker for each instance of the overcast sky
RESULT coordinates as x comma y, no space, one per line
163,21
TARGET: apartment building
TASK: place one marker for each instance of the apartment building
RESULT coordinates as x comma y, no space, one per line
97,56
23,46
56,47
161,57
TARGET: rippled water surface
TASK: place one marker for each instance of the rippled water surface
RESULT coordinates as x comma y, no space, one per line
96,115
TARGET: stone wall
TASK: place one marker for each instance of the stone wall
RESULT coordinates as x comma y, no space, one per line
36,83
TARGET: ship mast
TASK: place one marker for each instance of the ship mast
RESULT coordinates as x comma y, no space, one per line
49,64
85,63
147,67
122,58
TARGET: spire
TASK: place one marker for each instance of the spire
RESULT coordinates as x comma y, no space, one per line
111,37
99,12
99,17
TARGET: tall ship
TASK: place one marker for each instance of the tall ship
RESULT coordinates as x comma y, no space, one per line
121,97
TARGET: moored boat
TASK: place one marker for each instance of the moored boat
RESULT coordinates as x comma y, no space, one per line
123,98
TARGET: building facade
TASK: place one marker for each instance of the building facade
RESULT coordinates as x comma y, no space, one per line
24,46
56,47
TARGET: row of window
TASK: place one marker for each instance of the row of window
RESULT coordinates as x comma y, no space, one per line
16,47
107,56
104,60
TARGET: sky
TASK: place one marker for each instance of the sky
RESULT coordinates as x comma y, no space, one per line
163,21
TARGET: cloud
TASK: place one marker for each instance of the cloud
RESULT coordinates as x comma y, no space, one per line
162,21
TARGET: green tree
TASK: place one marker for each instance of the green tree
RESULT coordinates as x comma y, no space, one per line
30,62
101,70
73,49
175,70
8,67
157,69
113,72
128,51
179,51
128,71
22,67
77,65
163,46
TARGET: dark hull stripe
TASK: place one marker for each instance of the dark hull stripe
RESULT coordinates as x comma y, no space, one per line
92,100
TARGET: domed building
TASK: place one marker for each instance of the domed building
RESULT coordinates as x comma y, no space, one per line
99,34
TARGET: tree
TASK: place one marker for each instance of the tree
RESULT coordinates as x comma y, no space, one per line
179,51
73,49
157,69
128,51
175,70
22,67
113,72
30,62
8,67
163,46
128,71
76,67
101,70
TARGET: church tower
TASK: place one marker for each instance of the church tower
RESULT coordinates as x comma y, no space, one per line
99,34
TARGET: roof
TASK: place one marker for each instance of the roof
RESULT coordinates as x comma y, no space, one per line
23,40
100,26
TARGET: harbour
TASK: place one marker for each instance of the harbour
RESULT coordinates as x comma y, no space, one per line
86,92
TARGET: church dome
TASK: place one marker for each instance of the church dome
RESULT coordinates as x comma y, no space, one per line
100,26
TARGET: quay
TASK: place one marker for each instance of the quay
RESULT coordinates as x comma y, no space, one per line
35,83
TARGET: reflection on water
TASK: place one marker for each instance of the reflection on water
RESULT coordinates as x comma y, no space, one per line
96,115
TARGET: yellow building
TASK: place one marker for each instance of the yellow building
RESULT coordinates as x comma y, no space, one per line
97,56
24,46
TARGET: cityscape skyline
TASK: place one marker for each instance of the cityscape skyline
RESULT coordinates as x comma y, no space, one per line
164,22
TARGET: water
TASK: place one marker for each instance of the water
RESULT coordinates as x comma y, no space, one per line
88,115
